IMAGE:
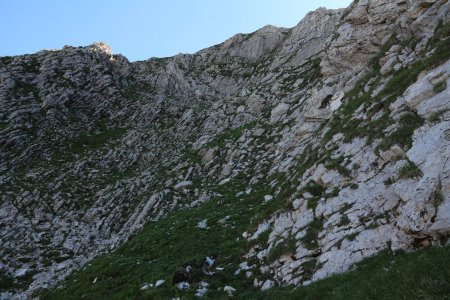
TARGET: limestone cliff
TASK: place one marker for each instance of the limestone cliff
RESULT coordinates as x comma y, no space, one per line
342,122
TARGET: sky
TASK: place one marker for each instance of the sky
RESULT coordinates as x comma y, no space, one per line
140,29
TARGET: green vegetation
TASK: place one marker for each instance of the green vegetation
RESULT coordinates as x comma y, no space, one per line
24,89
4,60
88,142
417,275
309,72
440,86
6,282
344,221
402,136
312,233
163,247
337,164
352,236
32,65
286,246
436,117
314,189
230,135
353,185
346,123
409,170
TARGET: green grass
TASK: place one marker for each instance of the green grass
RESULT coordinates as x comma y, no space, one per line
337,164
95,141
344,221
287,246
436,117
314,189
312,232
402,136
409,170
417,275
163,247
230,135
394,88
440,86
23,89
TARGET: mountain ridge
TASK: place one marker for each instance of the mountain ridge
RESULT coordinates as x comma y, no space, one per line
334,131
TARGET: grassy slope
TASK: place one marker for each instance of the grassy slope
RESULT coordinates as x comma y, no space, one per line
164,247
418,275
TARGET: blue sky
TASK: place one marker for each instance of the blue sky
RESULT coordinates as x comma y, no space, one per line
140,29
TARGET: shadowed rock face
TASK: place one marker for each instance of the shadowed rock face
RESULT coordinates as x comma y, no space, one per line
93,146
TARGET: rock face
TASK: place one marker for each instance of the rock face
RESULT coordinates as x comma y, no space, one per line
344,117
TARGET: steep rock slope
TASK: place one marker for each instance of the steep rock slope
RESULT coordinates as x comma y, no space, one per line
337,129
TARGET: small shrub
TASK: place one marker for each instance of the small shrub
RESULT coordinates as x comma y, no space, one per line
309,267
334,192
97,140
388,181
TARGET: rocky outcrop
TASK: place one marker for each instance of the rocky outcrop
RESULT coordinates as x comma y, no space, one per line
341,120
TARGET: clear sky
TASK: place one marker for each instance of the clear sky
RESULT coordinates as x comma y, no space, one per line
140,29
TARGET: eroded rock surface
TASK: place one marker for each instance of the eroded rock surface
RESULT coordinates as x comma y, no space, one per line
321,115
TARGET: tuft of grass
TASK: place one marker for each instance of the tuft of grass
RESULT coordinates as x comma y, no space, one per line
337,164
344,221
314,189
440,86
409,170
402,136
352,236
353,185
287,246
436,117
312,233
